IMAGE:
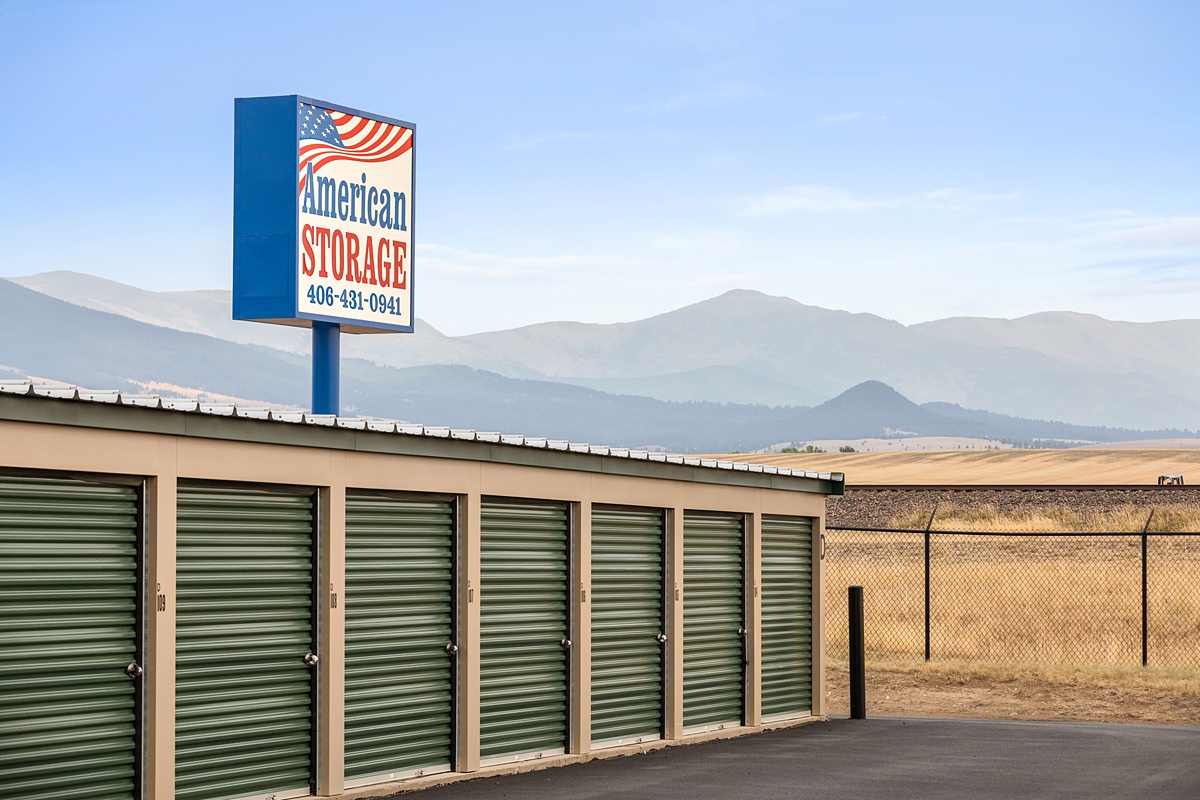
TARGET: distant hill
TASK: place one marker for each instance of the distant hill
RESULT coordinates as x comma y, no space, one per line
875,410
47,338
750,348
716,384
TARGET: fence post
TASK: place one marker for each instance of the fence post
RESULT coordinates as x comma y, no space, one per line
1145,595
928,525
858,668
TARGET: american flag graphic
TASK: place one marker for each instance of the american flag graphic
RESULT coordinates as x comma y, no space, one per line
328,136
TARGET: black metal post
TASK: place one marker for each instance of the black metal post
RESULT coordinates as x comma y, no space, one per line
927,648
858,668
928,525
1145,594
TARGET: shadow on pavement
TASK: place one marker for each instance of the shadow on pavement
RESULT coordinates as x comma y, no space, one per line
922,759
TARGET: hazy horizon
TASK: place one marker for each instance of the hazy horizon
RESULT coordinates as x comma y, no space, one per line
666,310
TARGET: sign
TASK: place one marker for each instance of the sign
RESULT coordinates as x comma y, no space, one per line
323,215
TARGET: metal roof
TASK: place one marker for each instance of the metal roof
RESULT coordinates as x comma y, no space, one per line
384,426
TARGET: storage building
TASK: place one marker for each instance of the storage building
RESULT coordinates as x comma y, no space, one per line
204,602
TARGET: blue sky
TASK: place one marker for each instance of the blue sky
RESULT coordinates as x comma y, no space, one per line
608,161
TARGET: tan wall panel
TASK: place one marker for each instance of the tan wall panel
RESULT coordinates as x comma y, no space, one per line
508,480
753,643
818,616
159,676
207,459
659,493
51,447
331,709
468,631
410,473
674,650
792,504
581,632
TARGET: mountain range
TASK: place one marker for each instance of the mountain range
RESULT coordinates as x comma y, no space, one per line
733,372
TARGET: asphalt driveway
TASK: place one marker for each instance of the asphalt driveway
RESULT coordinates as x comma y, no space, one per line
922,759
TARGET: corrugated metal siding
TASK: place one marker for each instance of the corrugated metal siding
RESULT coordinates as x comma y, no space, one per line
399,604
786,615
627,618
243,694
523,618
713,649
68,612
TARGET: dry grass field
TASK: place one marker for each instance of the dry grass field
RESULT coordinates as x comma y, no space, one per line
971,690
1044,518
997,467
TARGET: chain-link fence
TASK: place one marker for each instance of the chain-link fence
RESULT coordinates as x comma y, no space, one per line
1048,598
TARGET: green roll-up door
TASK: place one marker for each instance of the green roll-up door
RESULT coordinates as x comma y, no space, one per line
713,641
786,615
627,621
68,630
523,667
399,604
243,629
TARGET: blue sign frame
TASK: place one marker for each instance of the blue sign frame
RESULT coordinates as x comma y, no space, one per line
266,216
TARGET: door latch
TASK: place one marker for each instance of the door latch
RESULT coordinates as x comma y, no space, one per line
311,659
134,670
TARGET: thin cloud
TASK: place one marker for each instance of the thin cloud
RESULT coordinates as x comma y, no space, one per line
959,198
1149,265
815,198
851,116
499,267
703,241
1145,263
724,30
1129,277
1176,233
725,279
719,95
1145,288
536,140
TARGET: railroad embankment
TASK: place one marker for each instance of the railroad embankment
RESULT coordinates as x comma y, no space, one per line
1018,508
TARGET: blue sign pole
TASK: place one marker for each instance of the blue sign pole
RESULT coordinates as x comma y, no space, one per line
326,367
